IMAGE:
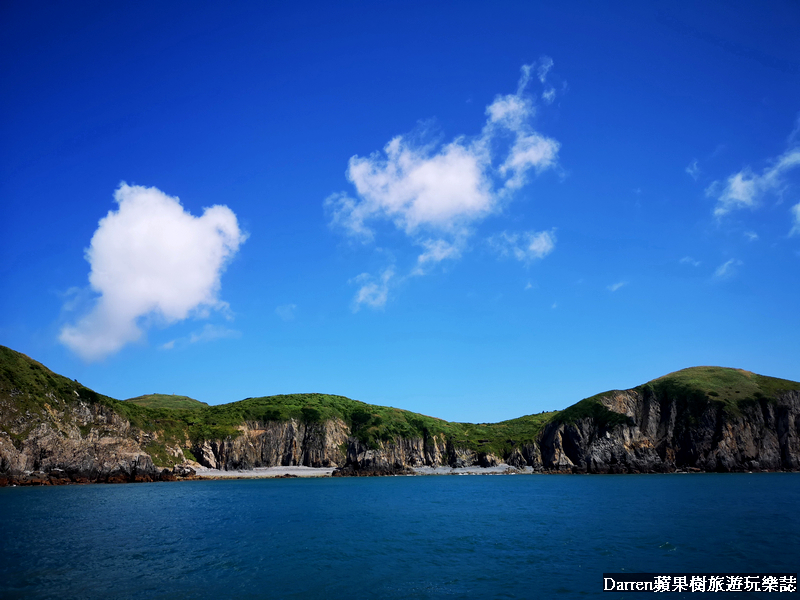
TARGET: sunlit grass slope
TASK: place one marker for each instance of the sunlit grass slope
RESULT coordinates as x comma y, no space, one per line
694,389
26,385
166,401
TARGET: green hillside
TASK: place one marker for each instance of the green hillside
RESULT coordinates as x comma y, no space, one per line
29,388
368,422
166,401
726,385
30,385
729,388
695,388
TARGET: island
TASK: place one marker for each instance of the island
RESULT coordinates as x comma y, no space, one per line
53,430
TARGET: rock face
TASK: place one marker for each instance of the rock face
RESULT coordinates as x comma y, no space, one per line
665,435
85,442
395,456
274,444
77,441
54,430
329,444
661,435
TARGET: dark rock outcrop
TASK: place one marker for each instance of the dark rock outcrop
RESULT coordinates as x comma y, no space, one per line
663,435
77,442
277,444
54,430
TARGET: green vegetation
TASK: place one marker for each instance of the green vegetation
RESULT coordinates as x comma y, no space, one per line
731,389
158,452
32,385
33,389
166,401
594,409
179,420
499,438
26,386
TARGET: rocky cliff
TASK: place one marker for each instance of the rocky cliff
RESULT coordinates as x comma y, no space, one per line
80,441
329,444
277,443
664,434
659,437
54,430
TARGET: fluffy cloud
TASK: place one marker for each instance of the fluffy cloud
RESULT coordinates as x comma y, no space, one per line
526,246
796,215
693,170
688,260
423,187
286,312
436,193
616,286
151,258
416,189
746,188
727,269
437,251
374,292
208,333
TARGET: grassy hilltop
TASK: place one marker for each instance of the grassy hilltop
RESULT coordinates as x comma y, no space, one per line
28,387
696,387
166,401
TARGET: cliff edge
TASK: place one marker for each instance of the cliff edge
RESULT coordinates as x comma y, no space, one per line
54,430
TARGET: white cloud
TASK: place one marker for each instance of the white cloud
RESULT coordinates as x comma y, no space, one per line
210,332
344,213
746,189
740,191
526,246
437,251
727,269
794,136
286,311
444,191
693,170
751,236
530,150
545,64
373,292
615,286
795,210
436,193
688,260
150,259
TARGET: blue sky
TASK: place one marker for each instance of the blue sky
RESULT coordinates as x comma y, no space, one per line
471,210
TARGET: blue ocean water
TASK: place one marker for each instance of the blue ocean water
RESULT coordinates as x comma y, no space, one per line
523,536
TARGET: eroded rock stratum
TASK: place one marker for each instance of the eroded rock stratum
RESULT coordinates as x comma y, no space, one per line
54,430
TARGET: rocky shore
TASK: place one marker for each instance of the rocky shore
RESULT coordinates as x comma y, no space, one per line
55,431
655,435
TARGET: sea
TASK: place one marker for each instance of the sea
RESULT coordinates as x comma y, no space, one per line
500,536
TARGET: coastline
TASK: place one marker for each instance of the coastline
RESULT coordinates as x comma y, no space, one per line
291,472
263,472
298,471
